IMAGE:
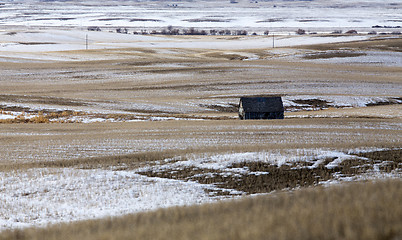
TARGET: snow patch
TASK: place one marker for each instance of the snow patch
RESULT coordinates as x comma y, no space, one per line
38,197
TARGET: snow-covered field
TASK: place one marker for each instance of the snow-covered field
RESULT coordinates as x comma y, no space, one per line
29,26
33,196
37,197
290,103
127,89
26,42
317,15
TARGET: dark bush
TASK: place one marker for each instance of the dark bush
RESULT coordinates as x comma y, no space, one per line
300,31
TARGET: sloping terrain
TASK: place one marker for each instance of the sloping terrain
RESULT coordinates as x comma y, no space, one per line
139,122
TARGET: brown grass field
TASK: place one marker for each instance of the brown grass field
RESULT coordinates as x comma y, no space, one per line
130,85
41,143
354,211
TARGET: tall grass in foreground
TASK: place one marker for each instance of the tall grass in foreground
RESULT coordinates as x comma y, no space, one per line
353,211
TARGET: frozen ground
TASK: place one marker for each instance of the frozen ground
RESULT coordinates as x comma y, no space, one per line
295,103
277,15
50,42
49,26
126,84
37,197
368,57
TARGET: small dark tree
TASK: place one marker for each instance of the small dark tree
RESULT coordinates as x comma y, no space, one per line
191,31
351,32
241,32
266,32
94,28
175,31
300,31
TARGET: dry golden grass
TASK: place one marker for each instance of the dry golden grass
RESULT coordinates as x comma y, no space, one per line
130,161
337,54
58,116
292,175
180,83
40,118
27,143
369,210
385,44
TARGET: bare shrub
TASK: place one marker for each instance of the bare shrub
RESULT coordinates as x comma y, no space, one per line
300,31
351,32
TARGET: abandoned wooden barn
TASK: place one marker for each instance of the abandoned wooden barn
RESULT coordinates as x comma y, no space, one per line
261,108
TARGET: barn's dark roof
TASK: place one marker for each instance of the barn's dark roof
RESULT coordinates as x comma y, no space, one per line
262,104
